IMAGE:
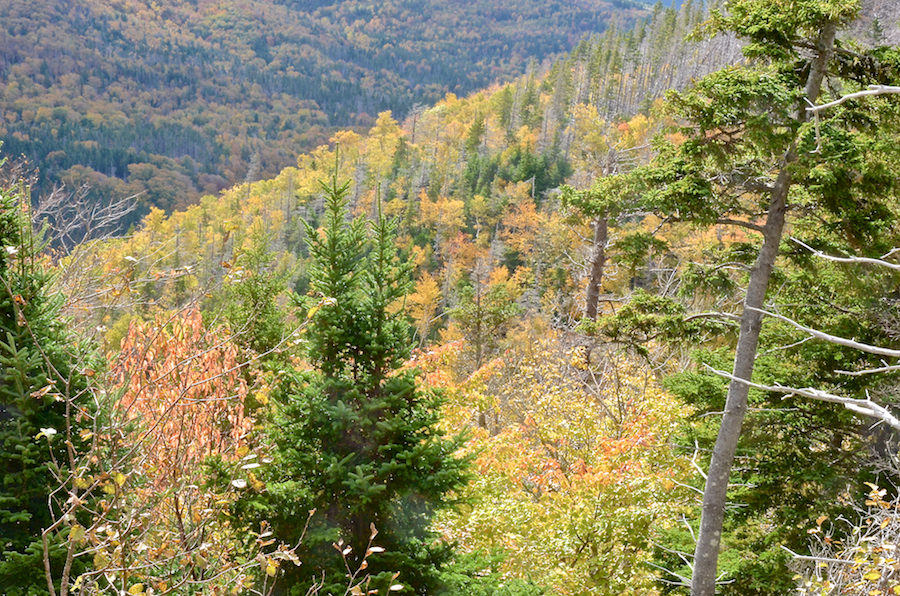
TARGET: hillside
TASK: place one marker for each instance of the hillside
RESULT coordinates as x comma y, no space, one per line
460,174
179,98
576,253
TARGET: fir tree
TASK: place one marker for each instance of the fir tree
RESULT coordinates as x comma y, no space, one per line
751,157
356,438
39,387
251,306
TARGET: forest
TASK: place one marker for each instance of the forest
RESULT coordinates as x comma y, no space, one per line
624,322
172,100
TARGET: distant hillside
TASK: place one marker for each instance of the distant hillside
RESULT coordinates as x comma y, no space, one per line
465,177
178,98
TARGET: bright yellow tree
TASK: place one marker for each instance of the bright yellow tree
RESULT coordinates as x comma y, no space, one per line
574,474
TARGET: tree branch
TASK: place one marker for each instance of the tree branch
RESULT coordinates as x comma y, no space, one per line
815,110
863,260
872,90
866,407
869,371
73,217
841,341
740,223
818,559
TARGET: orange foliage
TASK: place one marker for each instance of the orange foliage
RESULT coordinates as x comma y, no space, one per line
569,458
183,384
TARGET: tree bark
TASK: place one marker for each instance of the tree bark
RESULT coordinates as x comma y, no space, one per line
598,261
706,554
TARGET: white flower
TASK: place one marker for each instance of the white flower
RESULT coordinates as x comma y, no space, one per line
11,250
46,432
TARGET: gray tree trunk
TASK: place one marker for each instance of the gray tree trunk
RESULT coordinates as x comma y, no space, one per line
598,261
706,554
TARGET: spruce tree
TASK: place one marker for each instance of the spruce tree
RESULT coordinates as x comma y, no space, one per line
356,438
39,385
750,156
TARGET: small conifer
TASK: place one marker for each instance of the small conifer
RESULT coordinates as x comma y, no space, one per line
356,439
40,383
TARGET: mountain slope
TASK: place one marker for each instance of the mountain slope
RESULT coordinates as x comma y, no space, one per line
184,97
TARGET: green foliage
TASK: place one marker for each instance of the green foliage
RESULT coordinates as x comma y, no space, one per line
478,575
634,250
251,298
356,439
773,32
796,456
38,382
647,317
743,154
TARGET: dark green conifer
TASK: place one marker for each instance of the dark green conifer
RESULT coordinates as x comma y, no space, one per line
40,386
356,439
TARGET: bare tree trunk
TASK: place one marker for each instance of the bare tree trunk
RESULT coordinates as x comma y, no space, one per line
601,236
703,580
598,261
706,554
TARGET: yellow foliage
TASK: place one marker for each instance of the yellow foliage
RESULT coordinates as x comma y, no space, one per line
395,207
443,215
867,558
381,145
591,138
485,213
573,470
521,224
423,303
450,334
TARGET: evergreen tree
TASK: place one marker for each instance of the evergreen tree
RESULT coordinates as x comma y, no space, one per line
251,306
752,158
356,439
39,387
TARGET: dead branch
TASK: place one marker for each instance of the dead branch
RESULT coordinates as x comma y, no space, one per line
834,339
816,110
860,260
866,407
872,90
74,217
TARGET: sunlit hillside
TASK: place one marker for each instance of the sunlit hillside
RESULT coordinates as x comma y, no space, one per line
623,322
